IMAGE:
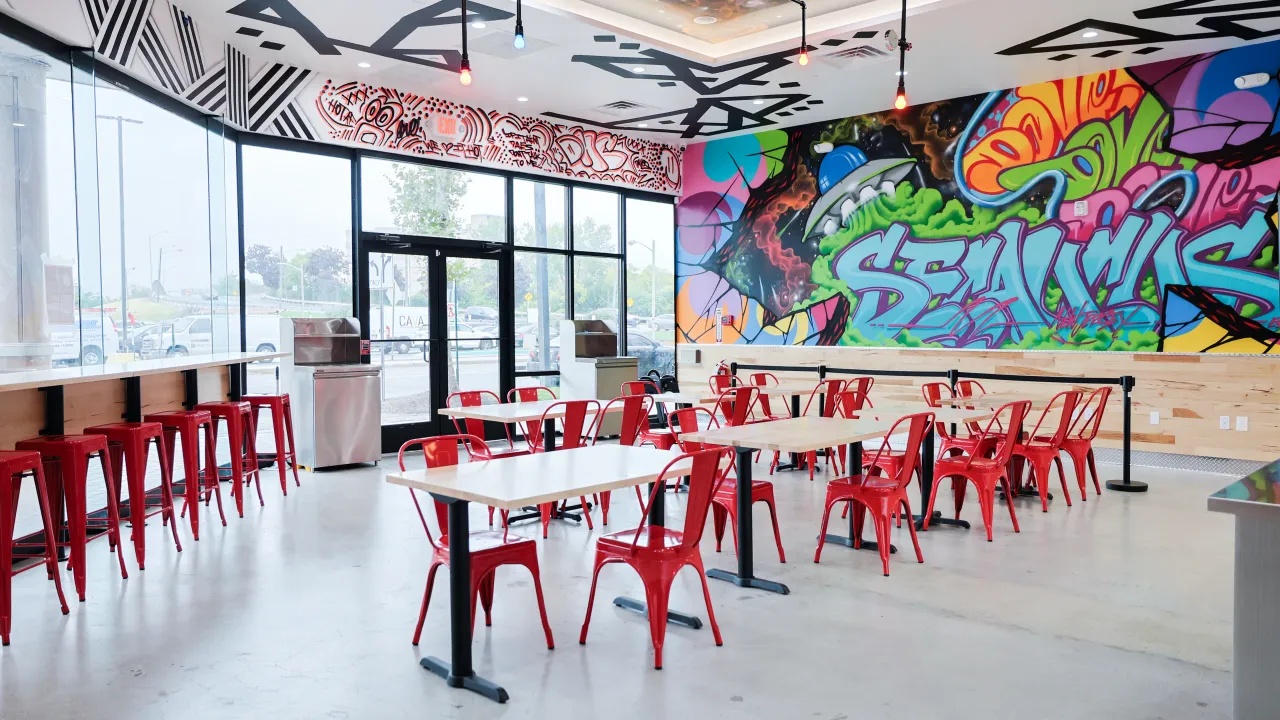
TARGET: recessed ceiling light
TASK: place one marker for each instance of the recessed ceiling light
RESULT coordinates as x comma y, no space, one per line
478,25
1091,33
757,102
522,99
705,20
644,124
637,70
23,125
365,65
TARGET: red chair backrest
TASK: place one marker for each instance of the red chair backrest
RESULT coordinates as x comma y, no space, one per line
969,388
640,387
574,426
635,417
1085,426
849,402
686,421
530,394
1069,398
705,478
917,426
471,398
442,451
721,382
828,390
736,403
934,392
1016,412
765,380
862,383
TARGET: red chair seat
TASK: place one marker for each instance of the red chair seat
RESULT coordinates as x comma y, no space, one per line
982,464
652,538
487,541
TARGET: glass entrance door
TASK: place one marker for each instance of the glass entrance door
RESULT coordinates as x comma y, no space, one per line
434,323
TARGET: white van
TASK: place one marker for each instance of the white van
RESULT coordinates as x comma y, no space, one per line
194,335
90,341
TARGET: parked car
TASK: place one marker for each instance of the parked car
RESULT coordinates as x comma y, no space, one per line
652,355
470,338
666,321
193,335
480,312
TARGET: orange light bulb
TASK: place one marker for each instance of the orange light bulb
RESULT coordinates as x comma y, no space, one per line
901,101
804,57
465,77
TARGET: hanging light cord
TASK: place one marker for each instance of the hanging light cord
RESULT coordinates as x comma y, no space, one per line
464,30
903,46
804,31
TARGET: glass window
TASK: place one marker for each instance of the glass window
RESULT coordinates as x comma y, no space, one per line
539,209
595,290
651,319
400,326
595,221
402,198
297,238
541,303
153,181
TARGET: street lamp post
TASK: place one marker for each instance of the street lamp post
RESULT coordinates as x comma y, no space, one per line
653,276
124,276
302,281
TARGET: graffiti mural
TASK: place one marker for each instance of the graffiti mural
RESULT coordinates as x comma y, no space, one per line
405,122
1129,210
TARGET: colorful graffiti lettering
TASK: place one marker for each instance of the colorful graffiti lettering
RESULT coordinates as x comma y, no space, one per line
1057,215
395,120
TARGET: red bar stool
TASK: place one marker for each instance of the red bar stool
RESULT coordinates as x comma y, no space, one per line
13,467
197,485
241,439
282,426
66,465
128,444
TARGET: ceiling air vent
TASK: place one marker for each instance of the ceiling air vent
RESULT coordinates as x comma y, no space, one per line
858,55
625,108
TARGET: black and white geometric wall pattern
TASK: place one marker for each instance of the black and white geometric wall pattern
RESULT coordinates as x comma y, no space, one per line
127,32
1205,20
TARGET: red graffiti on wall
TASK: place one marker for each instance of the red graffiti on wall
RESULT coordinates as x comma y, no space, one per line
394,120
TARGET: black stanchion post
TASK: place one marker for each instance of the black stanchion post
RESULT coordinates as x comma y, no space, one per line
1127,484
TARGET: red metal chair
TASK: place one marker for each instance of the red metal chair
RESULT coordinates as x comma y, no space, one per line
282,431
861,383
725,500
242,446
635,414
986,473
661,439
489,549
658,554
575,432
197,485
1079,440
1041,451
472,426
934,394
828,390
127,446
767,411
969,388
883,495
723,381
66,470
736,404
13,467
532,394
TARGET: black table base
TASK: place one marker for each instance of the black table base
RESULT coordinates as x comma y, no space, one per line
470,681
745,577
855,467
692,622
1127,486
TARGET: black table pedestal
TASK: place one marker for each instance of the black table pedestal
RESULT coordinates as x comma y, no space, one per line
855,464
745,576
658,517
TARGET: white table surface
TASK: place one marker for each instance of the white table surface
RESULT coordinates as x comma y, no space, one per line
28,379
517,482
514,412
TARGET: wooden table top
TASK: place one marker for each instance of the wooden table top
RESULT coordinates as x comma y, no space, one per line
684,398
516,482
27,379
989,400
796,435
512,412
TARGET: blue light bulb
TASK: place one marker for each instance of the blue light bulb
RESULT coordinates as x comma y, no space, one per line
519,41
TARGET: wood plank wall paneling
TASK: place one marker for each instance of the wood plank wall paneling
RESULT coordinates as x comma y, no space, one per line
1191,392
97,403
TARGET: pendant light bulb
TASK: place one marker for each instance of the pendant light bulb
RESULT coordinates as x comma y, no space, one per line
465,76
518,42
900,102
804,57
519,39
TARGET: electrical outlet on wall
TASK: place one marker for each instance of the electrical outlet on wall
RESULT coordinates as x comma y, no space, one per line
1242,423
1224,422
1155,417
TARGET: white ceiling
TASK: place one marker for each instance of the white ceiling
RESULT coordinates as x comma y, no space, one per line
584,55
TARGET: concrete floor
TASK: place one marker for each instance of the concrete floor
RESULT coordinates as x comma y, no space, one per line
1116,608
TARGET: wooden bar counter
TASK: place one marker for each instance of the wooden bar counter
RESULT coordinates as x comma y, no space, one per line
67,400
